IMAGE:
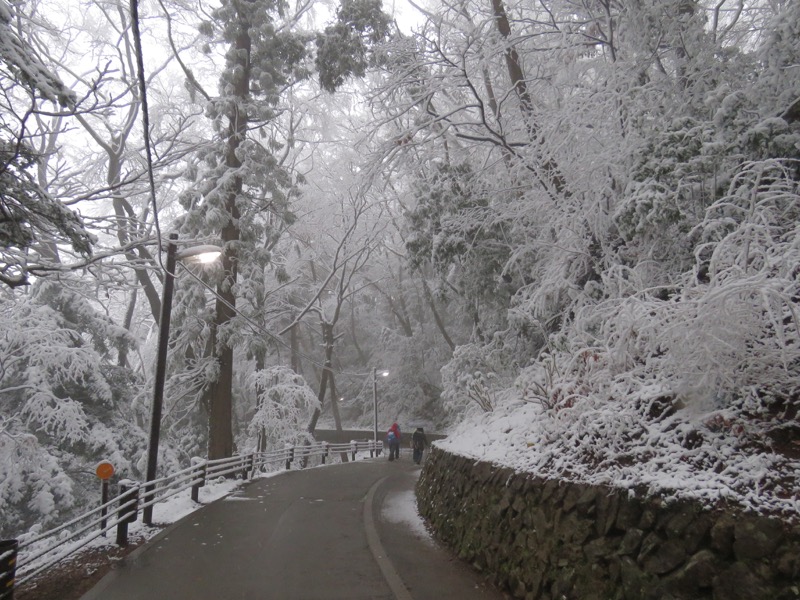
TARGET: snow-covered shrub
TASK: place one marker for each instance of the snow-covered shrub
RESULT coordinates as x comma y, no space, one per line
33,485
63,406
682,390
469,379
743,323
650,227
285,404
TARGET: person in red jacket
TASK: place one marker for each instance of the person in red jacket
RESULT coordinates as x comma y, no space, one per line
393,437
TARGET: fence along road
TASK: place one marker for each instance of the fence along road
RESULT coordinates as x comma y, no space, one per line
346,435
317,534
22,559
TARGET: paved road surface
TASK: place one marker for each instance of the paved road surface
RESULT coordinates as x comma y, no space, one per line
342,532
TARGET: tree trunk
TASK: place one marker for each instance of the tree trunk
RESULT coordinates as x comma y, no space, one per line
337,419
122,357
220,430
552,176
327,373
436,316
514,67
362,357
295,349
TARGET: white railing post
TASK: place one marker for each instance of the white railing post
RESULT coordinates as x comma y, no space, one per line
201,471
290,455
128,492
325,451
252,465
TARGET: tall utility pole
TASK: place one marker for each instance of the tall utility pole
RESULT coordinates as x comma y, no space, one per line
375,403
161,370
205,254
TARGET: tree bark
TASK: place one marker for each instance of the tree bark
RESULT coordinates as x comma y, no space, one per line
514,67
122,356
220,428
337,419
327,373
294,349
362,357
552,177
436,316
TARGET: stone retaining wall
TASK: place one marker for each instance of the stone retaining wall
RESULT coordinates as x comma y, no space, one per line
552,540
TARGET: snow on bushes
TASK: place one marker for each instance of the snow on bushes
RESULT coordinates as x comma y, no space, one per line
688,393
285,405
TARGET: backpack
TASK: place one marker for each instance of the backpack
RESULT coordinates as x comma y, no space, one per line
390,437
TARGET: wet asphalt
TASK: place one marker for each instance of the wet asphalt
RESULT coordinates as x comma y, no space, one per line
330,533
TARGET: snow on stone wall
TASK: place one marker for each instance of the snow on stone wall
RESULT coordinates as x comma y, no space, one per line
546,539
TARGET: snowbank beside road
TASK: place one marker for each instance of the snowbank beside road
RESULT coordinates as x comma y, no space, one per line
614,442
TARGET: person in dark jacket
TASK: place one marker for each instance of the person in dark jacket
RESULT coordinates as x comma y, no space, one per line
393,439
418,444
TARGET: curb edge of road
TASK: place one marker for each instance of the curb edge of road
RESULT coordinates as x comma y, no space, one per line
378,551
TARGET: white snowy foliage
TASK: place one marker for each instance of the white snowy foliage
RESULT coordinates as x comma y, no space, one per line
31,480
57,408
39,358
60,417
285,406
736,328
469,379
668,396
22,60
654,315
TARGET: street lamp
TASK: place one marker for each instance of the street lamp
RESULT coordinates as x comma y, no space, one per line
375,401
204,254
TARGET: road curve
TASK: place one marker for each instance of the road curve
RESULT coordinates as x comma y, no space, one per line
330,533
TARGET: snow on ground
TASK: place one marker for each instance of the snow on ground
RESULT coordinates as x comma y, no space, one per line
607,442
401,509
180,505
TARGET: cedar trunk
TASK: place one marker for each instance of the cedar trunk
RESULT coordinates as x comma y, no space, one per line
220,428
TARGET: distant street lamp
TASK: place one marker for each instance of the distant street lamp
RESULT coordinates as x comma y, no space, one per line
375,401
204,254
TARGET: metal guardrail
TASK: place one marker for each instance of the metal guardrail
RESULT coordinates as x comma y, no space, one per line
24,558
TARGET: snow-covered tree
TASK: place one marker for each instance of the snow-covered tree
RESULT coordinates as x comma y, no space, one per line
285,404
631,226
30,216
64,405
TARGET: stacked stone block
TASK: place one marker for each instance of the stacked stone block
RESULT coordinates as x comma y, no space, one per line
553,540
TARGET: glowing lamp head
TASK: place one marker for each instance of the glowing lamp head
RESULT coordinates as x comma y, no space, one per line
205,254
208,257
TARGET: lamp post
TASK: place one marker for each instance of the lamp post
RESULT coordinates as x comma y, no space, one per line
375,401
205,254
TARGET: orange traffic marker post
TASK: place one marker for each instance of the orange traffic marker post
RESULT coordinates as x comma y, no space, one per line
104,471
